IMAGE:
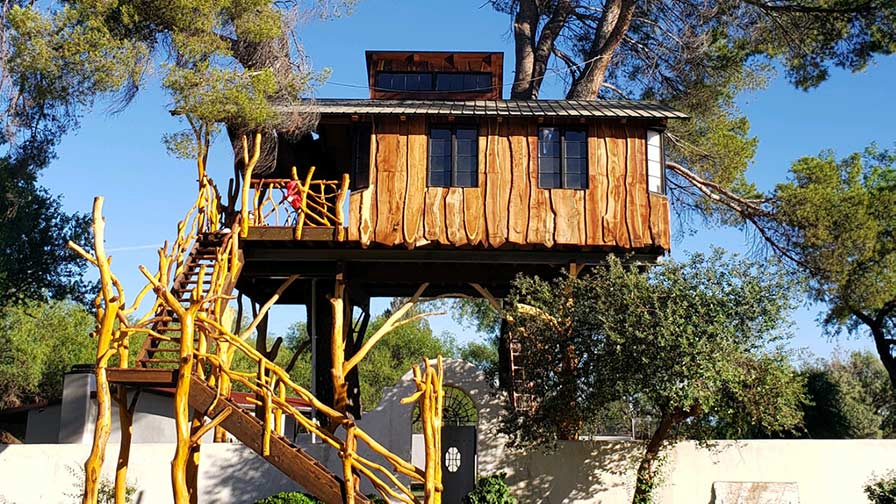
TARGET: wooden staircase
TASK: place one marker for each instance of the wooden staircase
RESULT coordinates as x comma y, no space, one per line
293,461
156,352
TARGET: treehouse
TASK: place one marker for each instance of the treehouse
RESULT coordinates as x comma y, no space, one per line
436,179
435,186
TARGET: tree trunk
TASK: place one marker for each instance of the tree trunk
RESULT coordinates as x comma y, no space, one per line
612,28
885,349
525,23
646,471
545,45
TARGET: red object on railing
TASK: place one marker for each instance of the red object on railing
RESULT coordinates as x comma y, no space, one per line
294,195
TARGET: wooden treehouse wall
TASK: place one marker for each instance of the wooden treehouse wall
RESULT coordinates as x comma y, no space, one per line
508,209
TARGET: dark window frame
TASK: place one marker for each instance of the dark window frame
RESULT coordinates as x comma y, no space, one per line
562,159
452,128
434,77
360,164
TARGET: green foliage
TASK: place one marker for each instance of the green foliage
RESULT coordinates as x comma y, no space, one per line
697,338
882,490
841,220
39,342
288,498
105,488
35,262
838,220
849,399
394,355
220,61
490,490
696,342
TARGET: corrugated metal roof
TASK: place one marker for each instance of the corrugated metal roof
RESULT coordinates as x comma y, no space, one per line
523,108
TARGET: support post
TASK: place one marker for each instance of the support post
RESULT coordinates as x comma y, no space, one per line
182,453
338,346
126,421
320,323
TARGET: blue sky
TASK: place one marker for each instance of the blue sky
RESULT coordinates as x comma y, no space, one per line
121,157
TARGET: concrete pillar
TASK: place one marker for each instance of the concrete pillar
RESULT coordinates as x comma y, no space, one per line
78,411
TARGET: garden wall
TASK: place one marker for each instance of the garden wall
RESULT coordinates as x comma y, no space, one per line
579,472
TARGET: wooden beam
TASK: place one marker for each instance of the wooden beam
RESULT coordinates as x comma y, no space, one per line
145,377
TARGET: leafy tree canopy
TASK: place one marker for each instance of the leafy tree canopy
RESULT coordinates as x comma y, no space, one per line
837,219
696,56
224,61
849,398
39,342
34,260
696,342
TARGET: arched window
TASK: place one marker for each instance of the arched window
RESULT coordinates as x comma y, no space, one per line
458,409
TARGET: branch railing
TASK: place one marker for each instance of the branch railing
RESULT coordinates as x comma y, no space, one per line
205,316
298,203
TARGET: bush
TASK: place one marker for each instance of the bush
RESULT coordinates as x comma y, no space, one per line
882,490
490,490
289,498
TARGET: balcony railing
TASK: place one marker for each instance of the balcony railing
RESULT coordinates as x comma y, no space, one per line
296,203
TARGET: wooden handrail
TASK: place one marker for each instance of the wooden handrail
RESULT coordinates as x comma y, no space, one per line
297,203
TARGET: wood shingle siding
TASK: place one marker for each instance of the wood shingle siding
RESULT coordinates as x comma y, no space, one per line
508,209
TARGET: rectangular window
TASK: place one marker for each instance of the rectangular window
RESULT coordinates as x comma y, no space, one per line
655,162
455,82
453,157
359,177
562,158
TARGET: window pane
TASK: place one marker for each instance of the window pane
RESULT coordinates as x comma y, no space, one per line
467,179
549,142
548,165
439,170
484,82
576,135
549,180
467,164
449,82
573,181
655,184
575,148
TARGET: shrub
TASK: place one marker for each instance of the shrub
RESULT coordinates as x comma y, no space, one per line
490,490
882,490
289,498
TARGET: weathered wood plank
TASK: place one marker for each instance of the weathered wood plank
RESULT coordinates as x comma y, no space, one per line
563,202
367,226
614,224
660,226
454,216
497,194
538,201
354,216
474,202
416,182
518,217
596,196
473,210
636,186
391,174
434,217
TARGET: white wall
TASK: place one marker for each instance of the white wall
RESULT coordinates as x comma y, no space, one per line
601,471
824,471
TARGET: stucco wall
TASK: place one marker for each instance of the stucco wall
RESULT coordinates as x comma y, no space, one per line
594,472
824,471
